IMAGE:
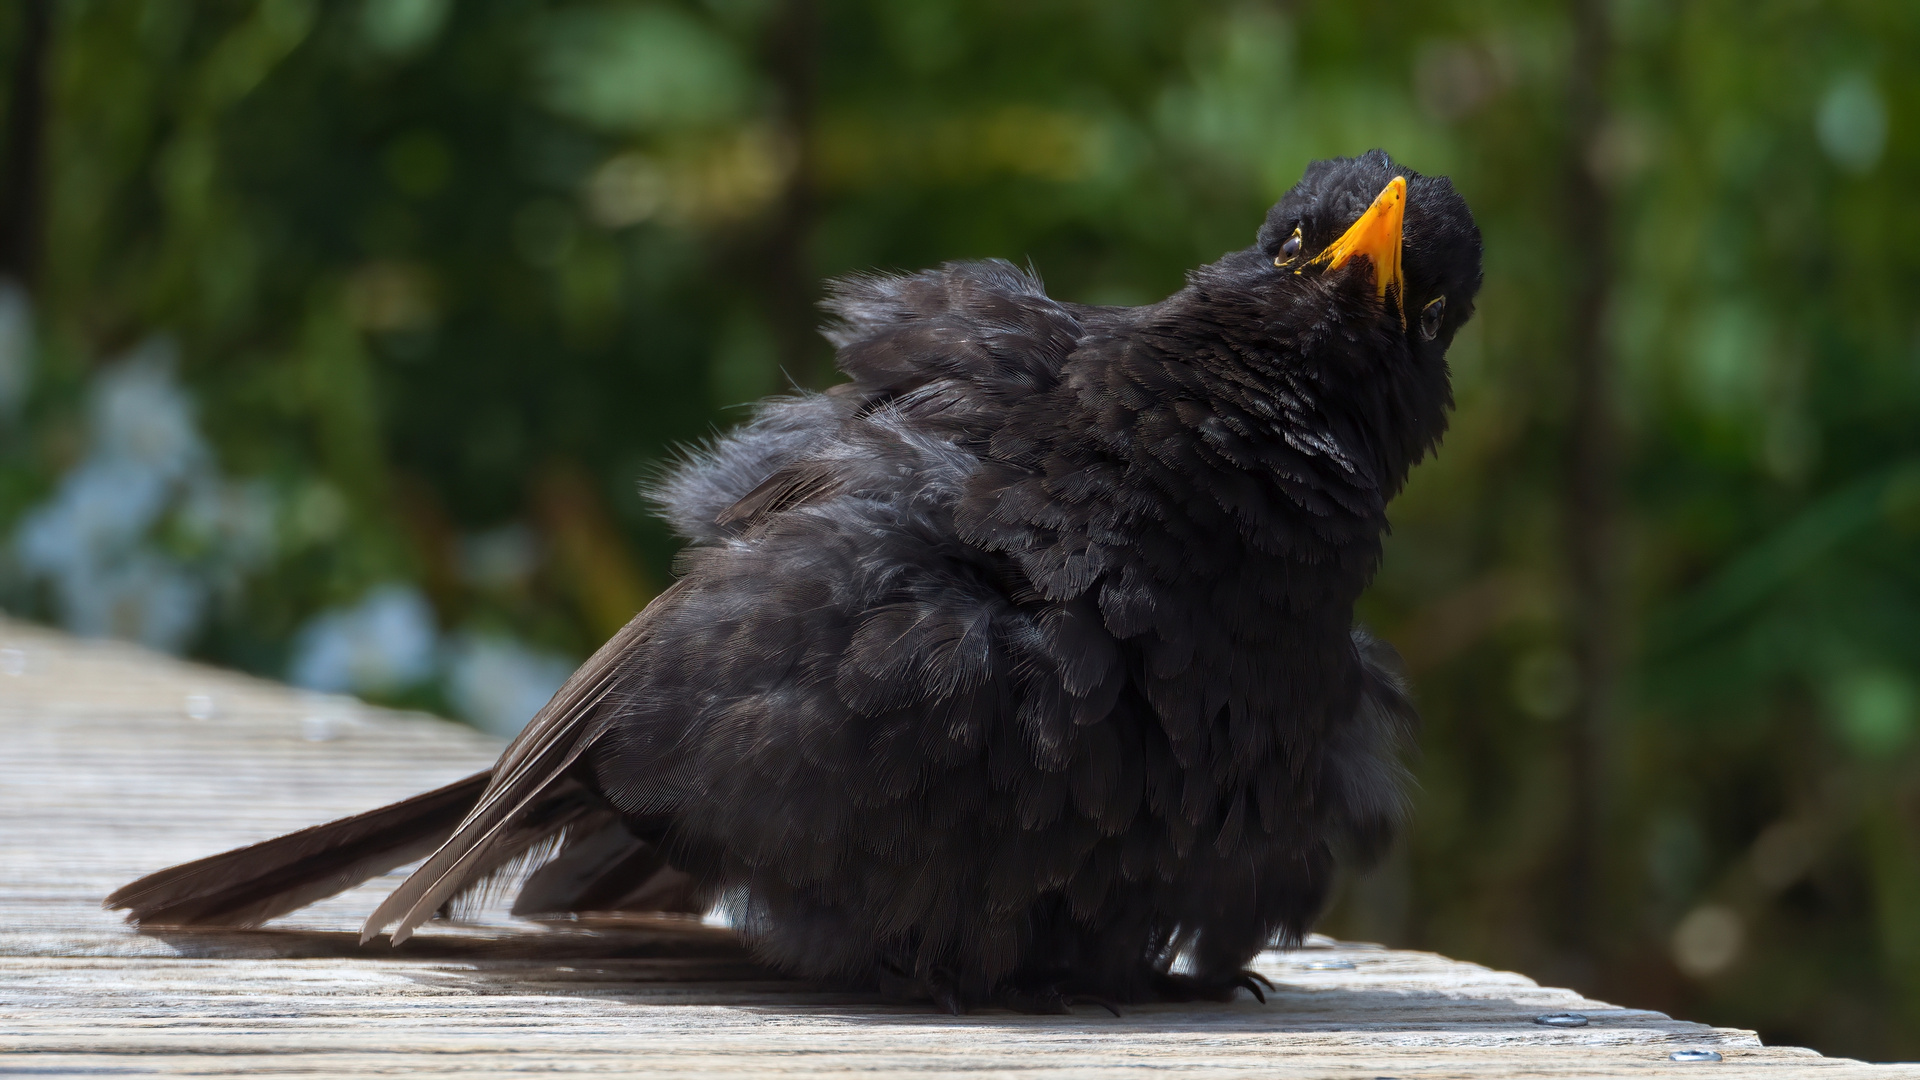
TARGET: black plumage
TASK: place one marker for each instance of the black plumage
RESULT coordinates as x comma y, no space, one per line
1014,668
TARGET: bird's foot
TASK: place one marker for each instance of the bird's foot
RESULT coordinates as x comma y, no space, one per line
1168,986
1051,1001
938,985
1049,995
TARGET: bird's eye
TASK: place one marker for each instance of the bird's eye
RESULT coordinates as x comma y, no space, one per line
1290,250
1430,317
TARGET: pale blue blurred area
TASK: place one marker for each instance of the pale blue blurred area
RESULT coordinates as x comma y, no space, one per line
144,535
384,643
387,643
498,683
138,537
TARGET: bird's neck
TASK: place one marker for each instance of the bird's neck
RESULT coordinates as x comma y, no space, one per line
1337,385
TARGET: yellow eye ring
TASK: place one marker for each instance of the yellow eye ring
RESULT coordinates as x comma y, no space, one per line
1290,249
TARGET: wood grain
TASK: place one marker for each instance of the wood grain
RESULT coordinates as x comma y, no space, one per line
115,762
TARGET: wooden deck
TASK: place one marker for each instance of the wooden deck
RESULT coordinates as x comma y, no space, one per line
114,762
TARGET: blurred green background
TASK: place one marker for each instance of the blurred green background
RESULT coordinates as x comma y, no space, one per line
336,336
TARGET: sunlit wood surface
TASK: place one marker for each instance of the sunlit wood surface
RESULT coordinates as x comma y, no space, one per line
115,762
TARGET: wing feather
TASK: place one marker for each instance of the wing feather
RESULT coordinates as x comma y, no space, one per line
535,761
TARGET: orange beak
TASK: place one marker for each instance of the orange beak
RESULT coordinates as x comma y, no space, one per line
1377,236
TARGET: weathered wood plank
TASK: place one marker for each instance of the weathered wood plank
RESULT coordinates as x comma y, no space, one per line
114,762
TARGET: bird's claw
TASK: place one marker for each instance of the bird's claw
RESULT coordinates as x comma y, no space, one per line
1053,997
937,985
1171,987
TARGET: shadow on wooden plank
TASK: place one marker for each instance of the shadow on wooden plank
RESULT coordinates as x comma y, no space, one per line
607,936
1392,1014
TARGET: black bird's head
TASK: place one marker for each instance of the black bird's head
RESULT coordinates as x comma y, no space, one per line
1356,285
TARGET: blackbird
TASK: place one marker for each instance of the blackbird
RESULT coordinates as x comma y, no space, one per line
1019,669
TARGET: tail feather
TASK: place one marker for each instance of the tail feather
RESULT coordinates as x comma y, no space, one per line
479,835
527,842
249,885
603,866
491,834
531,772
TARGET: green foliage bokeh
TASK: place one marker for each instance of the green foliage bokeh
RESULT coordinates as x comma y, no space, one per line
432,269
